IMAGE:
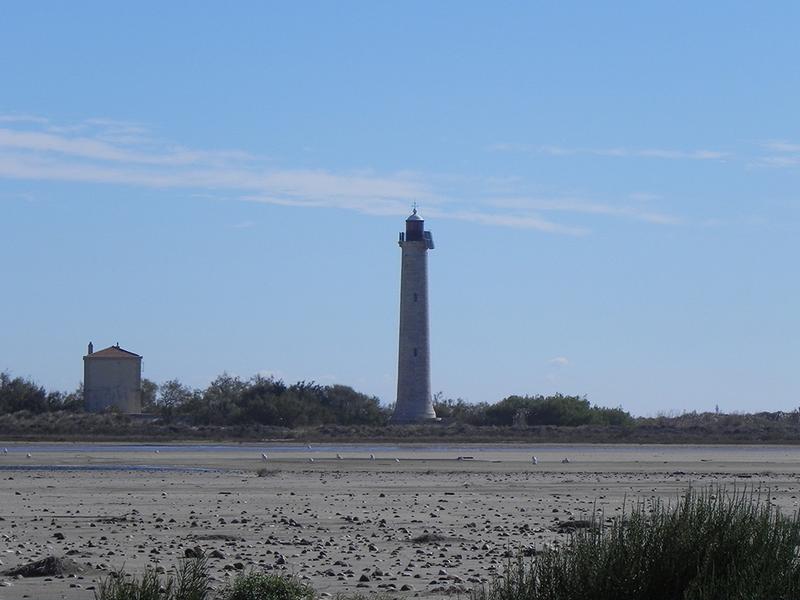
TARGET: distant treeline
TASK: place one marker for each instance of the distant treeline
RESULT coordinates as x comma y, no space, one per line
266,408
229,400
529,411
232,401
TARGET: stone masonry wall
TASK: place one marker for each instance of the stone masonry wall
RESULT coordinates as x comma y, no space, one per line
413,374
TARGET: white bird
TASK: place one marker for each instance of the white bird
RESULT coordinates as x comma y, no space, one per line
156,451
534,460
28,455
310,460
309,446
5,450
565,461
339,456
396,460
372,457
264,457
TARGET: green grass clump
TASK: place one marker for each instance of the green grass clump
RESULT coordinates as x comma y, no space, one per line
261,586
190,582
712,545
120,586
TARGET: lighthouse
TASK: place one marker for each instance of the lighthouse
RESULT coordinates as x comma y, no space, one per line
414,401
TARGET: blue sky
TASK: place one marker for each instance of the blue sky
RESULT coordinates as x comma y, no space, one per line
612,187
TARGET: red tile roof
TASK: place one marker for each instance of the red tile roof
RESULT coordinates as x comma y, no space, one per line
113,352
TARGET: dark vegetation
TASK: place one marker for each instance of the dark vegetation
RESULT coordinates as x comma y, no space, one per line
20,394
531,411
191,581
710,546
266,408
258,586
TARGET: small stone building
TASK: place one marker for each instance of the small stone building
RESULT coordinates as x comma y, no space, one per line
112,378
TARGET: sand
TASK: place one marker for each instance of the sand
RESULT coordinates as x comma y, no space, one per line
342,525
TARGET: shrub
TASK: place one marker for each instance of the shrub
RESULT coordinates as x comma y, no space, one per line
559,410
710,546
261,586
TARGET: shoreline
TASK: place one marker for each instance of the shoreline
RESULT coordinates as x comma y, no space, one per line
249,458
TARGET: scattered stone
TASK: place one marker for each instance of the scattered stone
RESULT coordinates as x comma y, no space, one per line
209,537
565,526
429,538
47,567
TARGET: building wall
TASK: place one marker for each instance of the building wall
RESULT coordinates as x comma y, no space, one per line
414,401
112,382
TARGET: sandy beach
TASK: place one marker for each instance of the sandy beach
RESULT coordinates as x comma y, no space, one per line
344,524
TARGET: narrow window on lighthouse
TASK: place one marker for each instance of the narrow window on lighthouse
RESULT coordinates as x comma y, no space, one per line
415,351
415,296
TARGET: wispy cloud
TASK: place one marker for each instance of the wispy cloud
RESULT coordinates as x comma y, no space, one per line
781,153
576,205
781,146
110,146
516,220
618,152
274,373
100,151
107,151
24,196
243,225
558,361
19,118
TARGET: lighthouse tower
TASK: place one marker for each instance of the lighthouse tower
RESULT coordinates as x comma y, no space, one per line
414,401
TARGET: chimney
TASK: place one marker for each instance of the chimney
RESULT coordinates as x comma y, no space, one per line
91,348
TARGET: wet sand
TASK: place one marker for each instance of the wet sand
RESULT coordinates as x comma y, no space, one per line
342,525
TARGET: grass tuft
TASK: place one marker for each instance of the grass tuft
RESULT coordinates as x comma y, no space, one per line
190,582
712,545
262,586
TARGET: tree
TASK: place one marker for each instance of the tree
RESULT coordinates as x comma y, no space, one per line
173,394
74,401
349,407
220,401
459,410
174,398
149,395
21,394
